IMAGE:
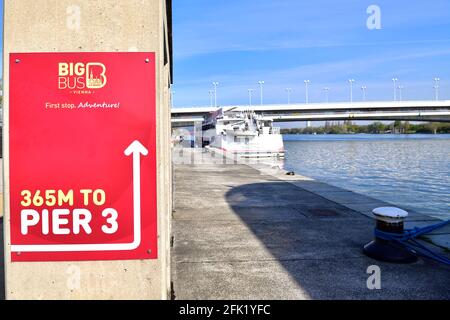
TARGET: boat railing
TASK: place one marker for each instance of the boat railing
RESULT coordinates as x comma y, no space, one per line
276,130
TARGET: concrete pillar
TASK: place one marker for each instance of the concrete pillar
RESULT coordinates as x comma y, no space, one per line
94,26
197,134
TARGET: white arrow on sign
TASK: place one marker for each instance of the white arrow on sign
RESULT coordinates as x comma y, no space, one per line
137,149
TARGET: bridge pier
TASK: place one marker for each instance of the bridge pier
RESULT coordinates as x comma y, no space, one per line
198,135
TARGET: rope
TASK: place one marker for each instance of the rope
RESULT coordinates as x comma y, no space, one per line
408,239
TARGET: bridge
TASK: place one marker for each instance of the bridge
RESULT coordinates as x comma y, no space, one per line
432,111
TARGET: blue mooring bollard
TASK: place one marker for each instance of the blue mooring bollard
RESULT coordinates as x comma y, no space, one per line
389,219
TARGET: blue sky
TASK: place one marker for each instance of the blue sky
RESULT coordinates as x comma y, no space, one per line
283,42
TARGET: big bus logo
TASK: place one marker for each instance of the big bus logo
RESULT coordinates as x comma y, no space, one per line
80,76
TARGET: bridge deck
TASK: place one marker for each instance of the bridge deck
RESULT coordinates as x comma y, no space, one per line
433,111
243,233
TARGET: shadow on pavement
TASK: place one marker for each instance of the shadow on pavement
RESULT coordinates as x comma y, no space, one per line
319,243
242,234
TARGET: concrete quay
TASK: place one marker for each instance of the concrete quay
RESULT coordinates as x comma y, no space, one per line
249,231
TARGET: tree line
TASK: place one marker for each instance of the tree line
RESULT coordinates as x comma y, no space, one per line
399,127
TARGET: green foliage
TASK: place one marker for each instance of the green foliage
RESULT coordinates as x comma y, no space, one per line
403,127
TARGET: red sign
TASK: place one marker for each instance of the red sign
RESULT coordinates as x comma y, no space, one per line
82,156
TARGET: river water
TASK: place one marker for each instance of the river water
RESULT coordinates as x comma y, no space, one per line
409,171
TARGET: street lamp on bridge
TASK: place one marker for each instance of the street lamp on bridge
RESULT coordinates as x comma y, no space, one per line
211,97
307,82
250,92
364,89
261,84
394,80
436,88
351,81
289,90
215,84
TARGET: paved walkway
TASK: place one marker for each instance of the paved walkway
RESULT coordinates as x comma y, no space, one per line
242,233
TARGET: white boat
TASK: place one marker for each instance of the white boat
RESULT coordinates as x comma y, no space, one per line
244,133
